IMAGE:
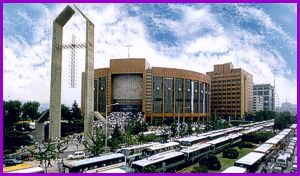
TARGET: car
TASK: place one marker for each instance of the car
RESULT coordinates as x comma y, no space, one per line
12,162
277,169
77,155
293,168
290,151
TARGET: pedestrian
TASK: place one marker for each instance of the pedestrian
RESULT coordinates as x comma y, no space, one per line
77,145
49,163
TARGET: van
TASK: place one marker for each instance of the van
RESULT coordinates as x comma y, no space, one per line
77,155
282,161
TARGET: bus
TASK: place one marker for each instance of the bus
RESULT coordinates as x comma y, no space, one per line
235,170
161,147
267,149
251,161
29,170
95,164
163,162
194,153
135,152
189,141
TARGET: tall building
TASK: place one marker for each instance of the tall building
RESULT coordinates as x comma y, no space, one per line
231,91
292,108
159,93
258,103
268,94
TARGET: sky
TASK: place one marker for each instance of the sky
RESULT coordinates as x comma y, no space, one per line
260,38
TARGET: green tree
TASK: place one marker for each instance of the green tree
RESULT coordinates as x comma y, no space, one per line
66,112
165,133
182,130
173,129
116,138
264,115
189,127
137,128
75,111
95,144
284,120
141,138
12,112
214,121
49,151
30,110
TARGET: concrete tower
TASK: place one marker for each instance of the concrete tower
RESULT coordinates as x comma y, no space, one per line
56,67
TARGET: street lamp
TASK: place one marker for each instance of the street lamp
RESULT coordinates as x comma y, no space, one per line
107,122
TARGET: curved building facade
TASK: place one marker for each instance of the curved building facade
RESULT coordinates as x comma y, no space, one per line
162,94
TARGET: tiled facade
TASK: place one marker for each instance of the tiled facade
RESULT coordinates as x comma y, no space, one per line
231,91
160,93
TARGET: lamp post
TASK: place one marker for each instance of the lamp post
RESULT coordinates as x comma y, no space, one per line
107,122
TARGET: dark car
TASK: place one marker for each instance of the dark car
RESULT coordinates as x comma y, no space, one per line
11,162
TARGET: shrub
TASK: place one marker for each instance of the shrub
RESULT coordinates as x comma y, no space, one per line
246,145
230,153
211,161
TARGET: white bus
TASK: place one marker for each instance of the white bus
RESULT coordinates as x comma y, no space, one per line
29,170
251,161
267,149
95,164
194,153
162,162
192,140
235,170
161,147
135,152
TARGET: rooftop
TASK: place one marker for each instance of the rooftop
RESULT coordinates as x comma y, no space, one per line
157,158
234,169
250,159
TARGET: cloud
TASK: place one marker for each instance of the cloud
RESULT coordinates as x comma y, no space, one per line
202,40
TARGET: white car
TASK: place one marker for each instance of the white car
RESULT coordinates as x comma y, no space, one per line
77,155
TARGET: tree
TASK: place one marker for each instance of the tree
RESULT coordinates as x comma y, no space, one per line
230,153
95,144
116,138
189,128
66,112
165,133
141,138
12,112
49,151
211,161
213,121
284,120
182,130
30,110
137,128
264,115
173,129
75,111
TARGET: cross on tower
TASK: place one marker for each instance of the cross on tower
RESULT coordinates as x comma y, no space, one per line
73,63
128,46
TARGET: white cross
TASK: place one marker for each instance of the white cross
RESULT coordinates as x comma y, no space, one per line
128,46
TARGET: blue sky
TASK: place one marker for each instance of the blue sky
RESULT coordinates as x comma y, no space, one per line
260,38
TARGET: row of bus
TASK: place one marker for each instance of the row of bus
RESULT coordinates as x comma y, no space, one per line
165,156
253,161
